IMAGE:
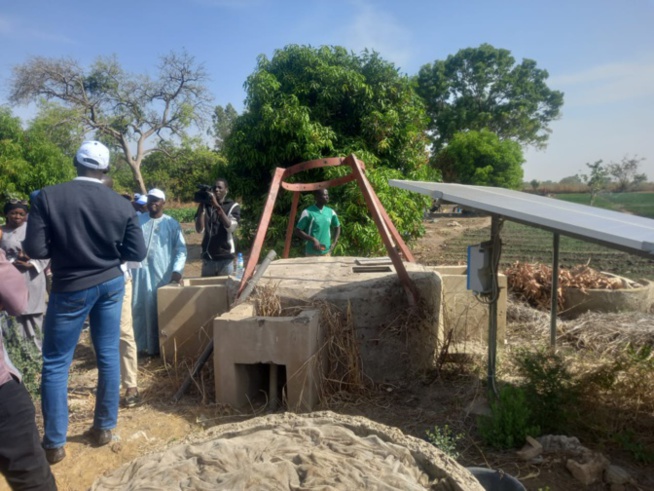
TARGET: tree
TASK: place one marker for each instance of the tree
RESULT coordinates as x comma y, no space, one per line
534,183
28,159
572,180
306,103
123,109
596,180
484,88
625,174
481,158
223,121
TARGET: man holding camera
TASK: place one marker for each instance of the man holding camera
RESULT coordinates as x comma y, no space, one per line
217,217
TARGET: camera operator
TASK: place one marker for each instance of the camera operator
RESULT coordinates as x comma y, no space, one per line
217,217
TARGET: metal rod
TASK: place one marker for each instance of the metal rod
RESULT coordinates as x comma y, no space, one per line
555,290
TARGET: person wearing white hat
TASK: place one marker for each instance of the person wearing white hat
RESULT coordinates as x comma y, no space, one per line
87,231
163,264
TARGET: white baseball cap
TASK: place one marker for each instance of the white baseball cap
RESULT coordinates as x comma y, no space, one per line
157,193
93,154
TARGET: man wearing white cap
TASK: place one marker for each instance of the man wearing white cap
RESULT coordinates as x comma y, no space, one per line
87,231
163,264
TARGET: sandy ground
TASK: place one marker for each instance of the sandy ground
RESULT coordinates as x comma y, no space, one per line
413,406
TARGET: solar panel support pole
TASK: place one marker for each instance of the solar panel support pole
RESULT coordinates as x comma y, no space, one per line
492,313
555,291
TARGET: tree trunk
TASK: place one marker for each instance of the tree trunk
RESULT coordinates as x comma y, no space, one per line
136,171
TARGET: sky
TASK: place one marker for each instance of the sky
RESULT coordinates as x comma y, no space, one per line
600,53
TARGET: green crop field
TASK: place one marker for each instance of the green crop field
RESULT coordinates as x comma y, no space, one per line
637,203
528,244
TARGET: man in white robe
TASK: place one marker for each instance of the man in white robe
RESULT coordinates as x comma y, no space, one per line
164,264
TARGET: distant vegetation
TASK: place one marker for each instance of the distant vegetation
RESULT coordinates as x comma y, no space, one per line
641,204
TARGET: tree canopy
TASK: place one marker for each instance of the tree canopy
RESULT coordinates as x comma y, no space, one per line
306,103
29,159
481,158
483,87
123,109
626,173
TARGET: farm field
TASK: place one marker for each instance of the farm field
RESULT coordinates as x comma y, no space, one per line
637,203
528,244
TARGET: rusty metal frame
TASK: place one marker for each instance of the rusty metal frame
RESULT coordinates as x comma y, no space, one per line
390,236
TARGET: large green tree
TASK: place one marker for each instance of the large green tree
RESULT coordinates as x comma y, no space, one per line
132,112
29,159
306,103
484,87
481,158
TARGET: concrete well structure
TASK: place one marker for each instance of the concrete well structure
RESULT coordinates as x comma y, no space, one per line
186,314
377,303
247,348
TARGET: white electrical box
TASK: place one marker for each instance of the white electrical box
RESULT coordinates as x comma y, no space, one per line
479,268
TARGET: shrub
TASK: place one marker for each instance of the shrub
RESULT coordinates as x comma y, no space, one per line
509,422
550,389
185,214
445,440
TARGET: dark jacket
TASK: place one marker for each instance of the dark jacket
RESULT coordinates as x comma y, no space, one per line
87,230
218,242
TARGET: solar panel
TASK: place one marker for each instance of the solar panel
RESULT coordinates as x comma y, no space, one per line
619,230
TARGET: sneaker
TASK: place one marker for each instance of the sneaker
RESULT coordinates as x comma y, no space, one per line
131,399
99,437
54,455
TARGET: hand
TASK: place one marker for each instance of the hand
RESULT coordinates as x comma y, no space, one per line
23,265
176,279
316,244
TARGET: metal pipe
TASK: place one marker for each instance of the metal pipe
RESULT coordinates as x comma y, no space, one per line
555,290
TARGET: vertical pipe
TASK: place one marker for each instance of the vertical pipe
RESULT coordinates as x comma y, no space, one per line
555,289
492,310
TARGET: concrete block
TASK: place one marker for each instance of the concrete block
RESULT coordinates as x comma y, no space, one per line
463,313
185,316
244,344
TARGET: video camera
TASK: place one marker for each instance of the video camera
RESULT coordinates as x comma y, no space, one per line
203,194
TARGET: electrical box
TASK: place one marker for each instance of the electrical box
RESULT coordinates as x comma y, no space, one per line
479,277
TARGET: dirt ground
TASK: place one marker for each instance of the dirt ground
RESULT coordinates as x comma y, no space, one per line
414,406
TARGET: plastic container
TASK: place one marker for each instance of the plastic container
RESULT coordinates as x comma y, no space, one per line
494,480
240,266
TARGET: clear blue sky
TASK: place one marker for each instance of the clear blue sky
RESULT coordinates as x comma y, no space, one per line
599,52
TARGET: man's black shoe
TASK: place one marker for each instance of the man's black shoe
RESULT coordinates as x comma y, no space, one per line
54,455
100,437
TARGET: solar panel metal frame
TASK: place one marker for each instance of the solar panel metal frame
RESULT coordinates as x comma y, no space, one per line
629,233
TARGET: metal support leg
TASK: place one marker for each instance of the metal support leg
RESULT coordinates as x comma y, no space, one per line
555,290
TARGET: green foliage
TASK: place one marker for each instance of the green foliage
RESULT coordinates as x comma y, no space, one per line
641,204
483,87
28,159
185,214
597,179
550,389
481,158
509,422
23,354
445,440
222,122
307,103
179,169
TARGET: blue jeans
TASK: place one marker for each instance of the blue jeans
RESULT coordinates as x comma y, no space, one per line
64,320
221,267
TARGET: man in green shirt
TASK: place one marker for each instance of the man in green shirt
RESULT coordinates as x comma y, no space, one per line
315,226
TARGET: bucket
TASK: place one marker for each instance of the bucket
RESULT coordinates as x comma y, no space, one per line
494,480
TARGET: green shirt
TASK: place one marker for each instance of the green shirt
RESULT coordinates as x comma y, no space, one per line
317,223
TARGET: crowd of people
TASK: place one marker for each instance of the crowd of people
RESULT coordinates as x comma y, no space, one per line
107,255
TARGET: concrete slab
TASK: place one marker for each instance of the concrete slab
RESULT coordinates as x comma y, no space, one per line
185,316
